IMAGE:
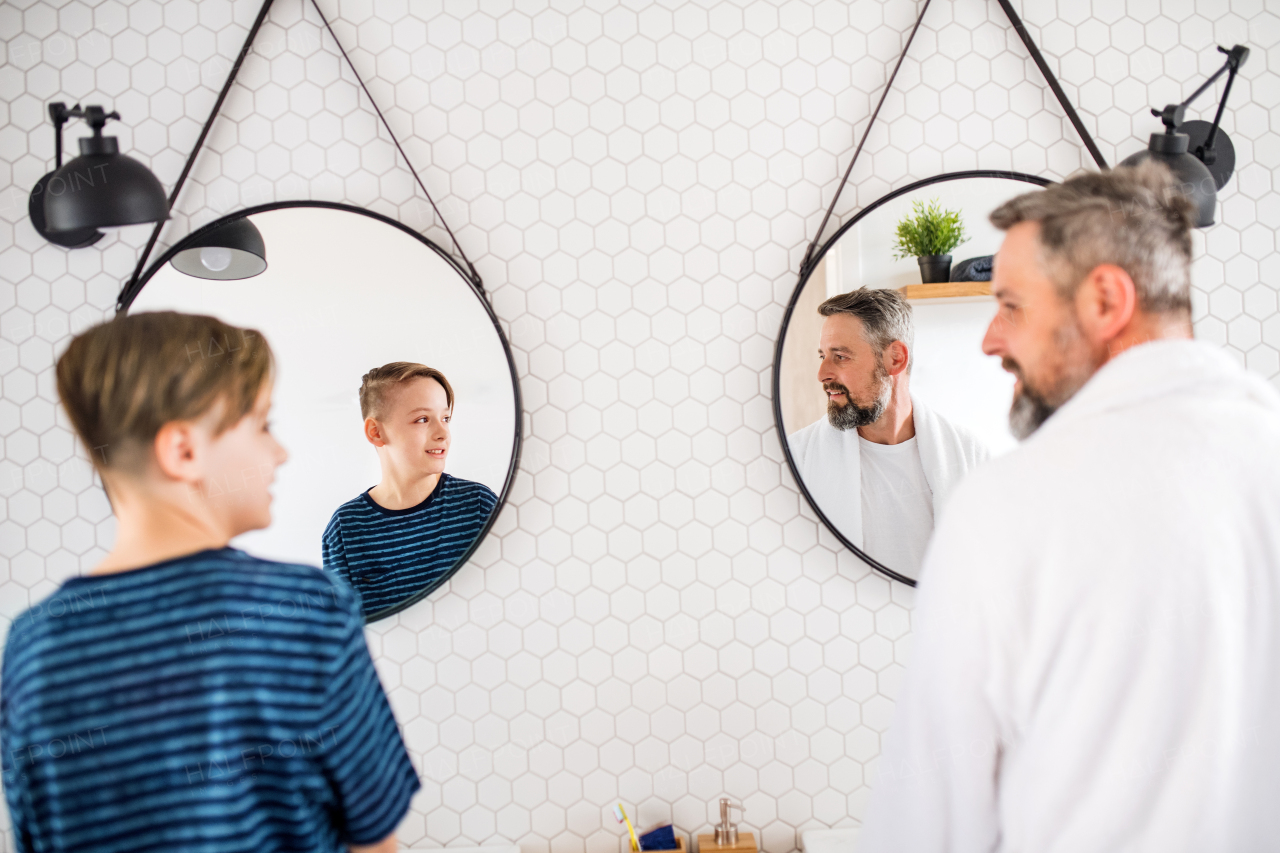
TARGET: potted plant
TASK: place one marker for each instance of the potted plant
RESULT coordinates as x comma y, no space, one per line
928,235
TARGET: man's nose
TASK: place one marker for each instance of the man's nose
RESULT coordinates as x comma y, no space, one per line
993,340
825,373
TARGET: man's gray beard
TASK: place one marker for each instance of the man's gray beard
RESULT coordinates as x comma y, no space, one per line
852,416
1028,412
1033,407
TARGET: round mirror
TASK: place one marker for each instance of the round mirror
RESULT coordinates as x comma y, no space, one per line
397,501
882,395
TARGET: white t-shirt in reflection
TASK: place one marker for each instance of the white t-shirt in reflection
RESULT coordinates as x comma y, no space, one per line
897,505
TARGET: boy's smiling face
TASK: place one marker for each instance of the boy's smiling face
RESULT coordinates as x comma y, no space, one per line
413,428
239,467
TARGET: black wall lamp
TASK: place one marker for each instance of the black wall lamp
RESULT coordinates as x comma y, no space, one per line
101,188
229,252
1199,154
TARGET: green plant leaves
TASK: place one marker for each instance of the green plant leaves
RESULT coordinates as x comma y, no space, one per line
929,231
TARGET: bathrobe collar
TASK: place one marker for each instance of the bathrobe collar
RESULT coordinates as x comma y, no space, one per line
1160,369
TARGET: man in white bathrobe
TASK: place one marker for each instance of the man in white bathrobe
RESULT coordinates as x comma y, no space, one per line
880,465
1096,659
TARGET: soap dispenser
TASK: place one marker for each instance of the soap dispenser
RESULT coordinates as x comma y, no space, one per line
726,835
726,832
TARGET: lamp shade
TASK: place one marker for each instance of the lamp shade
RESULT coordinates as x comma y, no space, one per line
76,239
1193,177
102,188
233,250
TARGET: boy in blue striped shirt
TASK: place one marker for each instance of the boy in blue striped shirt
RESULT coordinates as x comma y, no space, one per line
184,695
403,537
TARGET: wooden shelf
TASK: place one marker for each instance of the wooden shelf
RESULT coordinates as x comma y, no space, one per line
946,290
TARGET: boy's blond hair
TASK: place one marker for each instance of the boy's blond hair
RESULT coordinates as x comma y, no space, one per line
375,385
124,379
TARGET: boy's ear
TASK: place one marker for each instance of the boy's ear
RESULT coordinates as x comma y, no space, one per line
373,433
177,447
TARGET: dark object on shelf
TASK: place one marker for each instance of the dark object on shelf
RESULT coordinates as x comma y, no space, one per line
659,838
229,252
934,268
1204,167
973,269
101,188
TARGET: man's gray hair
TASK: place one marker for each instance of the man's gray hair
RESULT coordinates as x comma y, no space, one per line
1135,217
885,315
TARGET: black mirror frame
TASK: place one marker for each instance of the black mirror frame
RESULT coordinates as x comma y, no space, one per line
786,322
131,292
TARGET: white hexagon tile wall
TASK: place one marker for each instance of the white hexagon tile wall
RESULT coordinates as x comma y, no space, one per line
657,617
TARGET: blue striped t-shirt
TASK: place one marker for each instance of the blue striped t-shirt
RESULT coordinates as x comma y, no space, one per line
391,555
211,703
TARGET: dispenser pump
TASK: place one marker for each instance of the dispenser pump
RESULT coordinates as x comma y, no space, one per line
726,832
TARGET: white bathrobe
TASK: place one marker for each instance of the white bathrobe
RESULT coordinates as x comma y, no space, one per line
830,464
1096,663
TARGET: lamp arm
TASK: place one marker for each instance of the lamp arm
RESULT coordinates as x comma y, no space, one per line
1235,58
1173,114
1207,83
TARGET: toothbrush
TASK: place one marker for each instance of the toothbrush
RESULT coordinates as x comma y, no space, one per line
631,830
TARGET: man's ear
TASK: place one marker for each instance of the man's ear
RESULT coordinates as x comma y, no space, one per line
1106,301
895,358
373,433
178,450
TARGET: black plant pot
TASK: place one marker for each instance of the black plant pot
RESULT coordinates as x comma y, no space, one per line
934,268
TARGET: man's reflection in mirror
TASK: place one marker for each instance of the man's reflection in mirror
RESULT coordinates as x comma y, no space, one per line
881,463
399,537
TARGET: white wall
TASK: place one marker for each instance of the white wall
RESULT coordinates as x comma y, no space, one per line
657,618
